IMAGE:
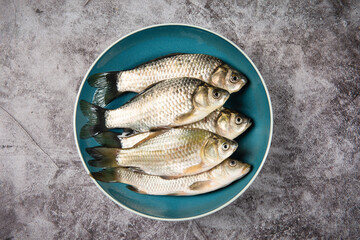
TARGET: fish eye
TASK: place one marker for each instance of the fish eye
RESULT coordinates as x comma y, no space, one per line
238,120
216,94
232,163
234,78
225,146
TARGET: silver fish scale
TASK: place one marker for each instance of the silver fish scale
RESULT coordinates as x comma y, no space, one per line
159,106
198,66
169,153
156,185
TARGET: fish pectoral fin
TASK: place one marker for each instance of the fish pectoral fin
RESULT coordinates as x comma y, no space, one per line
170,177
149,136
200,185
193,169
184,119
134,189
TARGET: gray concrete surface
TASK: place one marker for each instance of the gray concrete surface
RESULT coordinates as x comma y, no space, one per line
308,53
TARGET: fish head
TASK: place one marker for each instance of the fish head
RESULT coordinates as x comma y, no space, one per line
228,78
207,98
218,148
230,170
231,124
235,169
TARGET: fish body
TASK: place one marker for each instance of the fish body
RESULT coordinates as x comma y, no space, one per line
197,66
223,121
170,103
175,152
200,66
220,176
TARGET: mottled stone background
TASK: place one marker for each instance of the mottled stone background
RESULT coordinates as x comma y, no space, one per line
308,53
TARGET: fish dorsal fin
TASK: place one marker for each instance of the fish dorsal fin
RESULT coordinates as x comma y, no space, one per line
159,58
147,88
200,185
152,85
140,93
151,135
134,189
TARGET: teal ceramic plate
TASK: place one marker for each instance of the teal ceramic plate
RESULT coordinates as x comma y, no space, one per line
253,100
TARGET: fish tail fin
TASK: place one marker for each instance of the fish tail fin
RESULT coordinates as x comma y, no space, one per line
109,139
107,87
103,157
106,175
96,116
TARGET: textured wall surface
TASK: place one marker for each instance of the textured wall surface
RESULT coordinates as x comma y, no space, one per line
309,55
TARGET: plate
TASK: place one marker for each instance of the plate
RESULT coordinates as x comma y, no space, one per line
253,100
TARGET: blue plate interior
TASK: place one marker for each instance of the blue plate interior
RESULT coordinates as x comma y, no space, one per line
252,100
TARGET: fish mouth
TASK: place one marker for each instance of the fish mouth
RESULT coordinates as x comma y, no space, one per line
246,169
226,97
234,146
244,79
245,125
248,123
